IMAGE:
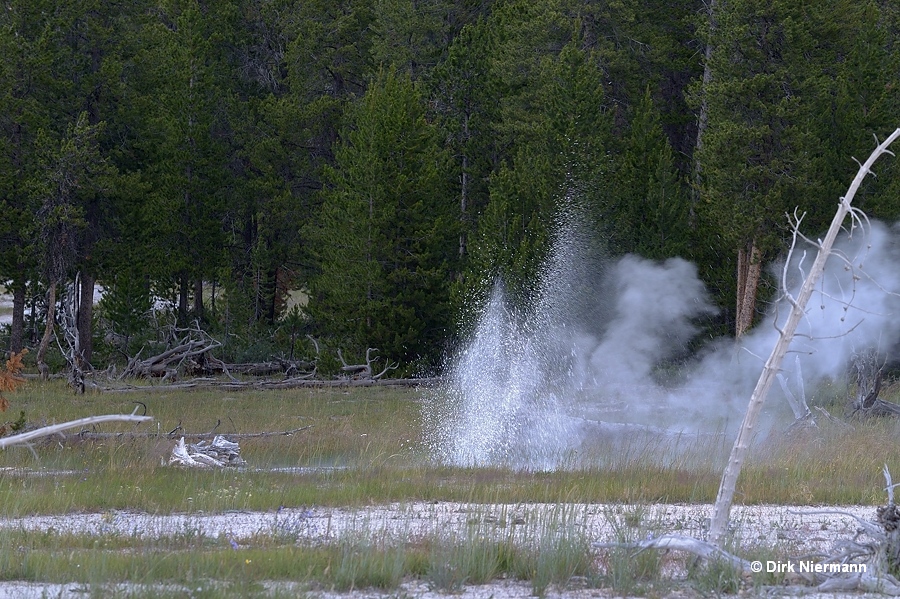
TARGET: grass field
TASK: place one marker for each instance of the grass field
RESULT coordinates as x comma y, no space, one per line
361,447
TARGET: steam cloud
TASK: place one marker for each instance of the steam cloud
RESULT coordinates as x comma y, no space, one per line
531,385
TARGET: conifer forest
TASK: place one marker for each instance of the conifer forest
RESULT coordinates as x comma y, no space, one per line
294,177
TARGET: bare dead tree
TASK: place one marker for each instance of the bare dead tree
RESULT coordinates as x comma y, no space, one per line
72,335
772,366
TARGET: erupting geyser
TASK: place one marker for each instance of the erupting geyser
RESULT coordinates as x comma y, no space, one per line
531,386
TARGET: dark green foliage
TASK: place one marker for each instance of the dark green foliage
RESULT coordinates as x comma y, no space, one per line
796,89
395,158
185,97
758,153
385,228
462,90
648,214
125,306
558,131
70,169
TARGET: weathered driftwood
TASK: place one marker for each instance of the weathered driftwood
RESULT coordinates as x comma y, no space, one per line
167,362
189,350
218,454
876,544
667,542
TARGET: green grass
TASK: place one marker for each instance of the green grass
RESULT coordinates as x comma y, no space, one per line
373,439
363,447
550,550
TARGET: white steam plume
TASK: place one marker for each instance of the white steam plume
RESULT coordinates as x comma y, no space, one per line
530,387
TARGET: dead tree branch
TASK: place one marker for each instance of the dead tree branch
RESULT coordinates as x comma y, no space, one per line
701,549
364,371
69,323
57,428
876,545
864,561
802,416
192,351
95,436
291,383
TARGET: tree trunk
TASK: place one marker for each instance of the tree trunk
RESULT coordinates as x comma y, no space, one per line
271,295
85,318
703,117
464,191
48,331
182,316
749,272
32,319
17,328
198,299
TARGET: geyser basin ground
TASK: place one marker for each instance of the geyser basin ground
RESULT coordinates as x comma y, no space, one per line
779,530
117,487
804,528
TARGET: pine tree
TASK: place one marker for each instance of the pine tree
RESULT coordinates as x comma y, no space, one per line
29,102
185,98
774,69
98,34
649,215
385,232
301,64
462,97
73,167
857,100
556,124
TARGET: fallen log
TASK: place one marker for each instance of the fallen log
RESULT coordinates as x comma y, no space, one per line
95,436
701,549
57,428
301,368
292,383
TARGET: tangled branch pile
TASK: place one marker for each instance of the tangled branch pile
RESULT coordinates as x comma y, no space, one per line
218,454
